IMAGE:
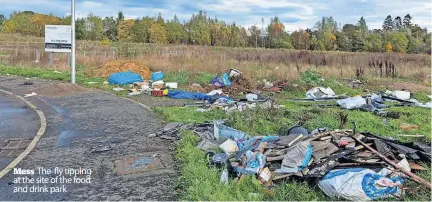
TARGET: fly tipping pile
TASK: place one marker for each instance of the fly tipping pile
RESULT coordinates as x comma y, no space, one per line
346,164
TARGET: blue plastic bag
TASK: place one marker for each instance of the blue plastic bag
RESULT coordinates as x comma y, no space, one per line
221,81
122,78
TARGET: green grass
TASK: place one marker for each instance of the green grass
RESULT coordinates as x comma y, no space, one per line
185,78
48,74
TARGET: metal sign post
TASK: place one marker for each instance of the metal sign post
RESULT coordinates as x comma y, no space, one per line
73,40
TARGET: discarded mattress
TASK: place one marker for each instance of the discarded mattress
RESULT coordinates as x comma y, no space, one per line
359,184
122,78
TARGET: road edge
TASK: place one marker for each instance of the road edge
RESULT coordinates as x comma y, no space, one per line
33,143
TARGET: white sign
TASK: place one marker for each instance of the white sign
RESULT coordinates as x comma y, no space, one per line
58,38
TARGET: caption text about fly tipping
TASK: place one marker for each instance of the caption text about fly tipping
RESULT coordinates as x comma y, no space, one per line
48,180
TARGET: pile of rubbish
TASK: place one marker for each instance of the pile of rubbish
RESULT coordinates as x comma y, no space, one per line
219,90
346,164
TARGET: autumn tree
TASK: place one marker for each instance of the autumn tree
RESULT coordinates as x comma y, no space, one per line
398,41
39,21
158,34
124,30
300,39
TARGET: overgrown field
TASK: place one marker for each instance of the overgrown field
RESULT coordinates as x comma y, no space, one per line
255,63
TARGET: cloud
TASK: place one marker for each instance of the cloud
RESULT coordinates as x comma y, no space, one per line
295,14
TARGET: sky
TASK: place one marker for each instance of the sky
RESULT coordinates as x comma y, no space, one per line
295,14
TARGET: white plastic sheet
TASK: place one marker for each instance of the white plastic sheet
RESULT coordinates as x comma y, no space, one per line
352,102
320,92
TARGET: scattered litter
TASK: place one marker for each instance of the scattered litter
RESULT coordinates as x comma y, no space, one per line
118,89
172,85
101,148
224,177
157,85
26,83
29,95
156,76
134,93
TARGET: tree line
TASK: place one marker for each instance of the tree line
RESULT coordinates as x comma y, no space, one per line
396,35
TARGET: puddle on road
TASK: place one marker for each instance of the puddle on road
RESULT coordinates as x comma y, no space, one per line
8,112
68,132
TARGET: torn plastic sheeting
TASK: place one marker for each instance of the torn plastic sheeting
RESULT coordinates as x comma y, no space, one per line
320,92
352,102
122,78
297,157
254,162
419,104
359,184
224,132
179,94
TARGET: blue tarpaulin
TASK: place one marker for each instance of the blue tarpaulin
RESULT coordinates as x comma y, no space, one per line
179,94
123,78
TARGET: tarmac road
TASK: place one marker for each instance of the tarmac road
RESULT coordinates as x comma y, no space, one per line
17,120
91,131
